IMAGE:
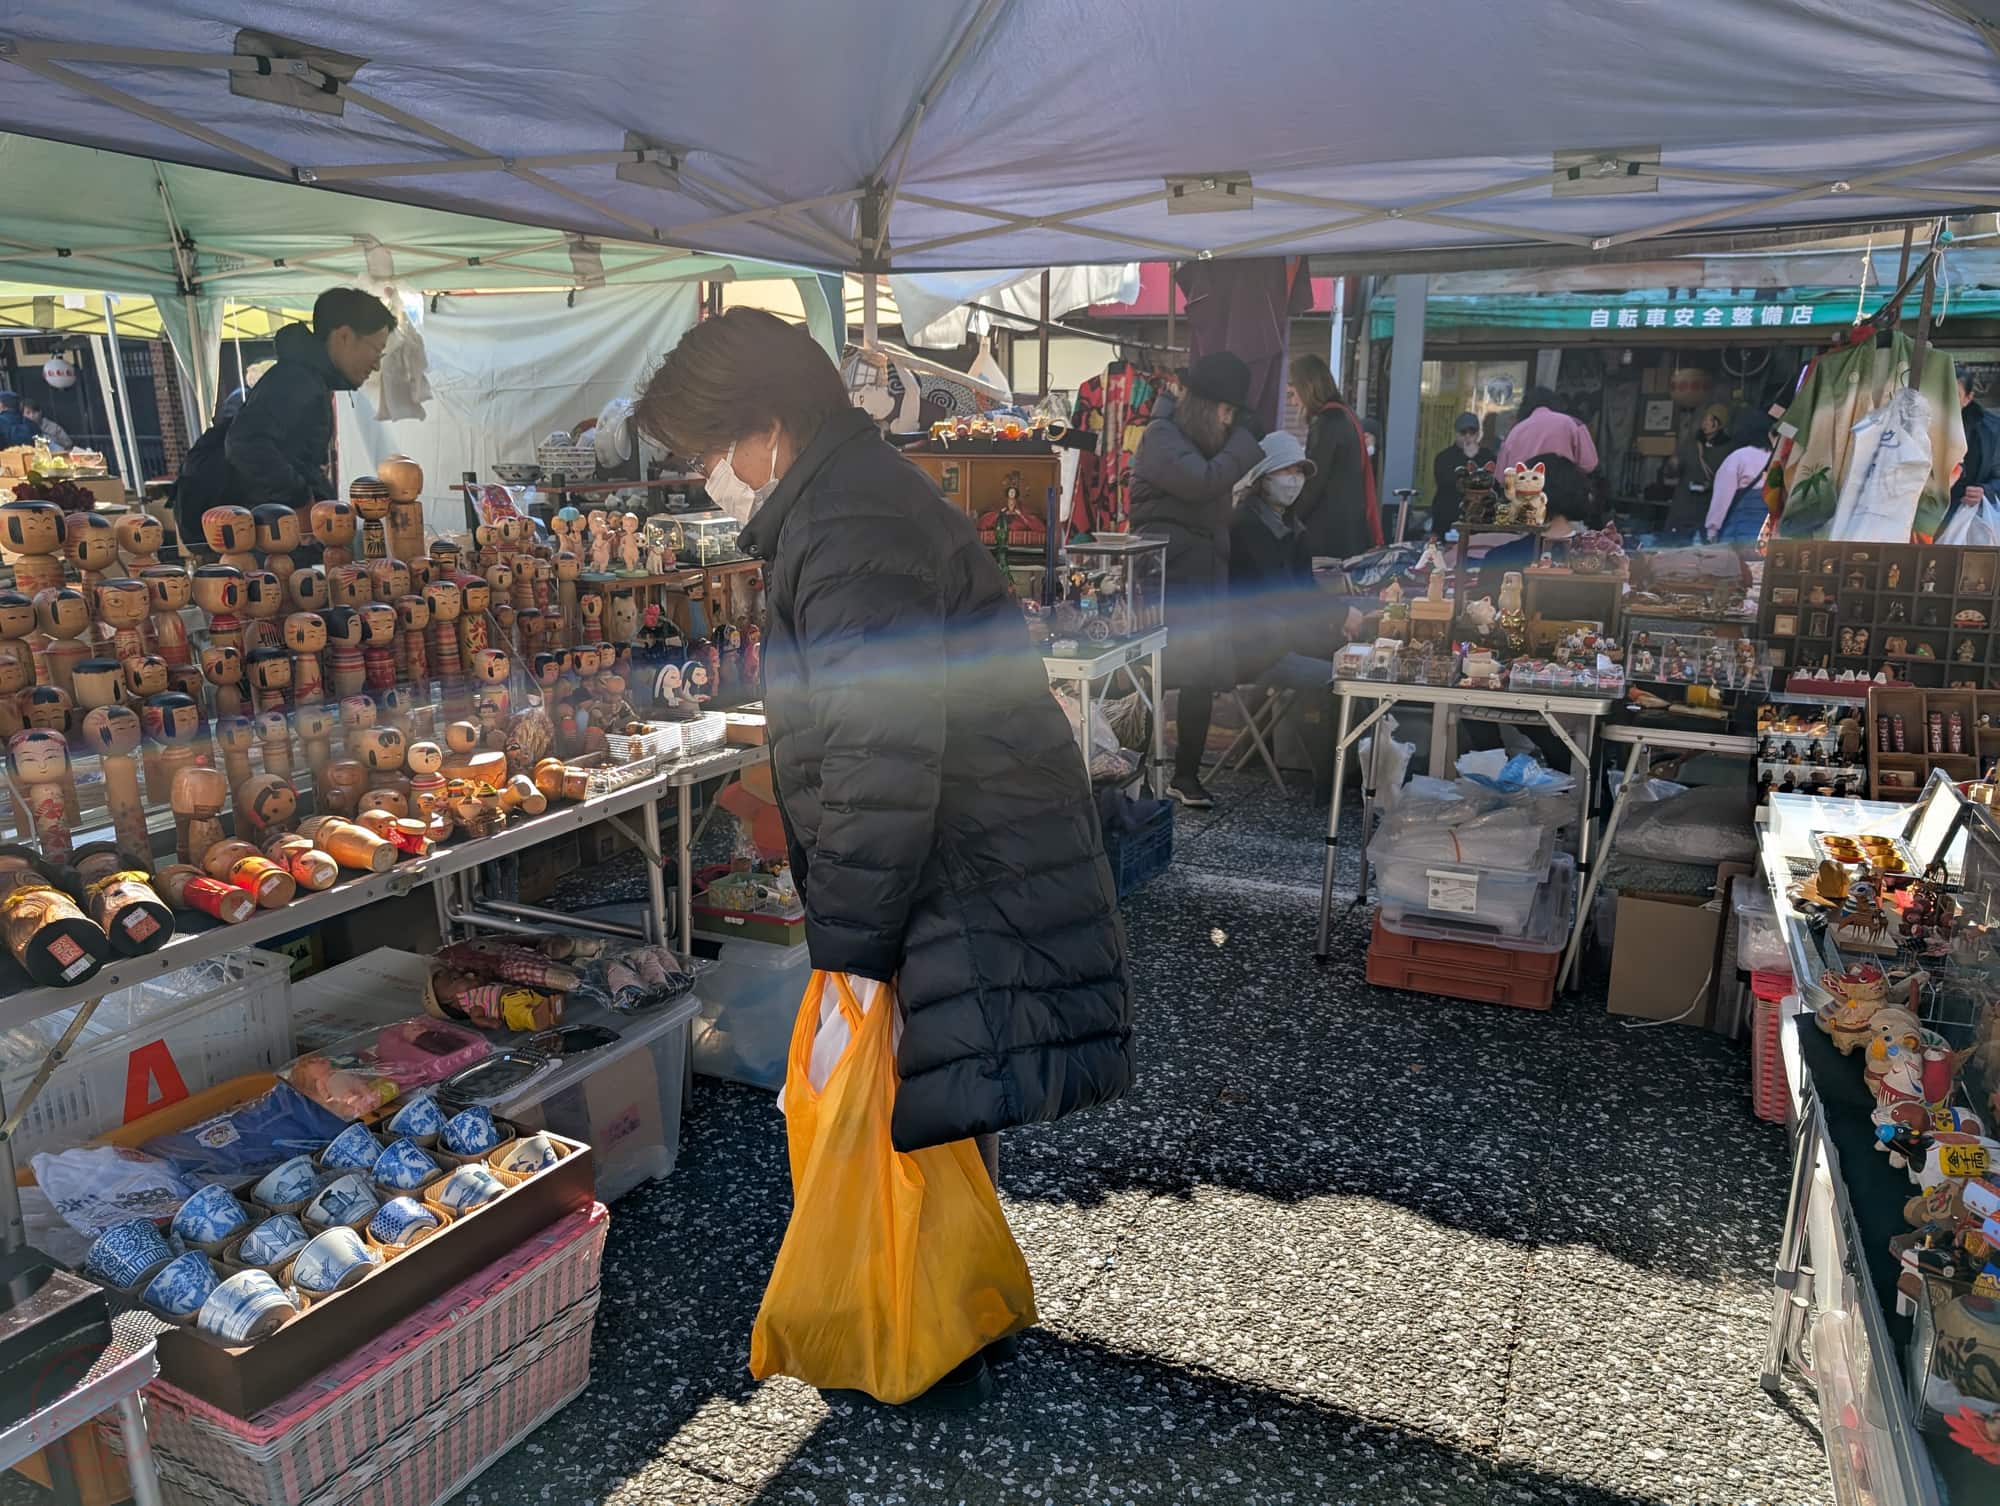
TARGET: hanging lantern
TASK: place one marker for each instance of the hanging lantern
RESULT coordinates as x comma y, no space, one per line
1690,386
58,373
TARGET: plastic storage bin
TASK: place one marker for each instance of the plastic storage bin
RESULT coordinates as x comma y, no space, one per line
152,1045
1547,930
1137,857
750,1001
1500,898
1760,945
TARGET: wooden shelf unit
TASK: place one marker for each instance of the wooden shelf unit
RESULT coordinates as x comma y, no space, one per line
1846,587
1981,746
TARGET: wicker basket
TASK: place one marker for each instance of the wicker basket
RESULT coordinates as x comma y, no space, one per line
576,461
705,734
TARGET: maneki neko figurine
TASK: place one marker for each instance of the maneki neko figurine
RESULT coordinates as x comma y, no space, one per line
218,591
278,537
41,773
112,731
370,499
168,589
92,546
231,534
31,540
333,528
266,599
139,538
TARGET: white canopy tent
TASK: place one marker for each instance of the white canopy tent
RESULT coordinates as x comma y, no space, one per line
971,133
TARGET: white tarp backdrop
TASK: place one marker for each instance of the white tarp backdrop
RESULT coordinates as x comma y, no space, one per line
933,304
508,369
975,133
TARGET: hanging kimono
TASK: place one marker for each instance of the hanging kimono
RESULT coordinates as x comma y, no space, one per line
1115,408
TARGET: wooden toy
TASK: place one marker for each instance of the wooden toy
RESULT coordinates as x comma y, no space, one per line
345,665
186,887
274,735
349,844
378,649
307,589
231,535
244,865
218,591
222,668
172,723
333,527
265,600
270,680
139,539
315,726
125,906
234,738
54,941
369,496
413,616
41,774
112,731
92,546
32,535
198,798
168,589
313,869
278,536
305,636
341,784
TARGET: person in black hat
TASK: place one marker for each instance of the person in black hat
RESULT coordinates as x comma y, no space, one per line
1464,449
1183,474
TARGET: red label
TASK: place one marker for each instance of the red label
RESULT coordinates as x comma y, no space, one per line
139,925
64,951
145,1067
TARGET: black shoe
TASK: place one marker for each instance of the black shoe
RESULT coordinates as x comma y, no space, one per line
1002,1351
1189,791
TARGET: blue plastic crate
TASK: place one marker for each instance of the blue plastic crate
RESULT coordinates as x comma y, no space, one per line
1142,855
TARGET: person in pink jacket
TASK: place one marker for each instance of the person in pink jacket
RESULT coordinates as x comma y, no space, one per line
1541,428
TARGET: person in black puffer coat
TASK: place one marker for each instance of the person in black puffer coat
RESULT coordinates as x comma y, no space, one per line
937,809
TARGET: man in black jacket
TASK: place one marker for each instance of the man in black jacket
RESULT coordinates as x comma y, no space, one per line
277,448
1464,449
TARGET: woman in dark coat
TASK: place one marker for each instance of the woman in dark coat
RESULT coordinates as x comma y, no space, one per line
1338,508
1182,475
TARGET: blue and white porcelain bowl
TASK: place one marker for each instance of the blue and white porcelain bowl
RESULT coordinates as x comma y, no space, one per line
353,1149
126,1254
210,1216
526,1157
274,1241
400,1221
470,1132
407,1166
181,1286
247,1307
287,1185
334,1260
420,1118
349,1201
468,1187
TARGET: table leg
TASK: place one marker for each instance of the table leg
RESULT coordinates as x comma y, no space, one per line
1333,825
1083,723
656,883
1791,1275
1155,780
1595,872
683,874
139,1462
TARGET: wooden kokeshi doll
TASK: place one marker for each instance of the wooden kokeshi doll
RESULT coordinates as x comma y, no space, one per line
398,707
112,732
139,538
186,887
274,736
567,567
126,907
500,583
340,788
349,586
265,803
485,546
63,618
357,715
590,608
333,527
17,624
314,870
198,798
413,664
316,726
122,608
405,480
545,583
307,589
530,628
222,668
168,589
370,500
172,723
186,678
382,753
31,540
425,760
502,617
445,601
265,601
349,844
379,637
54,941
476,599
92,546
494,711
387,580
421,572
447,559
278,537
231,534
461,741
17,677
98,682
270,671
218,591
346,670
521,595
243,864
234,738
41,773
305,636
406,527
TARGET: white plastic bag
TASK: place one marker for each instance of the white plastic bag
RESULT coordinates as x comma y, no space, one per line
1386,777
833,1034
1887,472
96,1186
1973,525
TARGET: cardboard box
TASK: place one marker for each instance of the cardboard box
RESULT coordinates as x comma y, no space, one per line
1663,957
1655,444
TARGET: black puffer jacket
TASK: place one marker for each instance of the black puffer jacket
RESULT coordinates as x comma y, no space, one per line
279,443
935,803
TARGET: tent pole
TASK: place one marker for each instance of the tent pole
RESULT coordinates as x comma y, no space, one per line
1903,266
1173,291
102,361
868,339
1045,332
1336,341
1922,347
199,400
132,482
241,380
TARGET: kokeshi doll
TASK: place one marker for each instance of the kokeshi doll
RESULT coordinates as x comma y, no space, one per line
265,601
485,546
494,711
345,667
125,906
406,528
172,723
398,707
419,566
186,678
265,803
222,668
17,624
348,843
305,636
112,732
139,536
234,738
405,833
357,715
41,773
445,600
274,736
369,496
425,761
340,790
312,869
122,609
148,676
558,781
522,596
234,861
307,588
17,676
333,527
568,568
92,546
520,793
349,586
198,798
379,636
528,632
315,726
447,560
413,616
387,580
218,591
63,617
168,589
270,671
590,609
53,940
500,583
186,887
231,535
545,584
31,540
475,600
278,537
504,619
98,682
382,752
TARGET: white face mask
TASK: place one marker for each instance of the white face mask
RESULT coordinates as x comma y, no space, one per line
732,493
1468,443
1284,490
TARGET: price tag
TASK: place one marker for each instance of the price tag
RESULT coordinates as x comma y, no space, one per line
1451,893
1987,1284
1942,1119
1962,1160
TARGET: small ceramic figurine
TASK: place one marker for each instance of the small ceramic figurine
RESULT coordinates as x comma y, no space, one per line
1895,575
1930,580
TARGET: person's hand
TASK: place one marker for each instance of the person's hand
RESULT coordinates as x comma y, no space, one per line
1975,495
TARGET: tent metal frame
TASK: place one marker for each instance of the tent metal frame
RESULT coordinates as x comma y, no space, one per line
872,247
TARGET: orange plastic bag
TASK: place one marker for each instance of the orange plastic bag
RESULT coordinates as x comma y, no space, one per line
895,1268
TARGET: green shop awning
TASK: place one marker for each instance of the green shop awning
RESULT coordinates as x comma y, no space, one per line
1813,312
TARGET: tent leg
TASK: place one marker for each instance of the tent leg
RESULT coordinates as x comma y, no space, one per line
868,335
1044,332
101,359
134,483
1922,348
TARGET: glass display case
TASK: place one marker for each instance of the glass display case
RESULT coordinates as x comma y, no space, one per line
1113,586
1704,659
708,539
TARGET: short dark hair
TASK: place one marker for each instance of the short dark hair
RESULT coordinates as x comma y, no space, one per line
351,308
736,375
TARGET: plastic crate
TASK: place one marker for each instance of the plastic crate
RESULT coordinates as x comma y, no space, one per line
1760,945
153,1045
1500,897
1546,934
750,1001
419,1413
1138,857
